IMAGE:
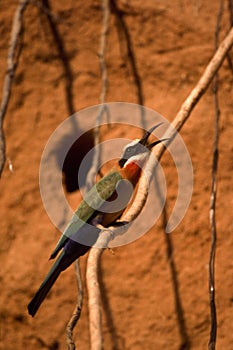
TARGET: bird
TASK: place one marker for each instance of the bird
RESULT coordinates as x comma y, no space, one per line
97,207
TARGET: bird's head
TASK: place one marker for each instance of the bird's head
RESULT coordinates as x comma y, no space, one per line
137,151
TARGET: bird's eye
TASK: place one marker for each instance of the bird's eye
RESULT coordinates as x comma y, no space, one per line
129,149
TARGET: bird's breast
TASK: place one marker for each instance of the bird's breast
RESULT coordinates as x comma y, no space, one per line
131,172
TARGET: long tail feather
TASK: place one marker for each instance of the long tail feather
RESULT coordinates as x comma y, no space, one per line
46,285
72,251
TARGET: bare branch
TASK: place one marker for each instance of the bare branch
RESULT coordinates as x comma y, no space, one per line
230,10
95,323
95,341
95,254
102,50
103,69
77,311
179,121
93,265
213,315
107,235
12,61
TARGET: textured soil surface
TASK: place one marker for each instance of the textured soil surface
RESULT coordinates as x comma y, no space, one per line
155,290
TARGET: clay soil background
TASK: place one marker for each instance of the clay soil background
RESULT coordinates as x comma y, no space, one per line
150,299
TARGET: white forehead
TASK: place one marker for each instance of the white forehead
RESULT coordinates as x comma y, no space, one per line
132,143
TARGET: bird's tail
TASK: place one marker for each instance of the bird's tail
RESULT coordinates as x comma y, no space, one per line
46,285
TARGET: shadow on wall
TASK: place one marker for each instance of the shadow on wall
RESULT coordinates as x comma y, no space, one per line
73,159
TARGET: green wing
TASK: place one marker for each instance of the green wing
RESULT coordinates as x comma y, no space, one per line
92,201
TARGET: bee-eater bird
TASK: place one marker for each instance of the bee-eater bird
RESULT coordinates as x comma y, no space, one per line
96,208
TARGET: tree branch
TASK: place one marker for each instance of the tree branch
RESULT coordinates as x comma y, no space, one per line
103,69
107,235
77,311
213,197
96,339
95,254
12,61
90,182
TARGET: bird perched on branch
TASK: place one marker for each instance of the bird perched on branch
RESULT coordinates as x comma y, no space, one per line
103,204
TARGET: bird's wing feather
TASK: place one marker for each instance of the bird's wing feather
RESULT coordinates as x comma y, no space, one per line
92,201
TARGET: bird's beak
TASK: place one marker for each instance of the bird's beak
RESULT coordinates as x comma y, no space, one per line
155,143
145,137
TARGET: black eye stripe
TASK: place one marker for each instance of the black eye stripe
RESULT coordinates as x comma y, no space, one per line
130,150
133,150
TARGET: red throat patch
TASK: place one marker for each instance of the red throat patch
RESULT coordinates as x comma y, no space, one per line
132,172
